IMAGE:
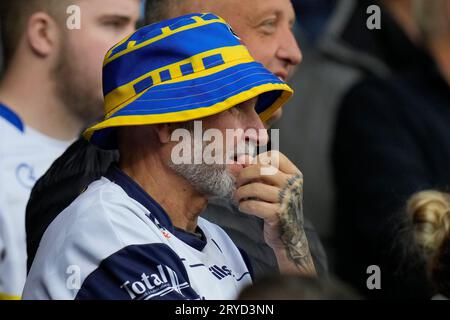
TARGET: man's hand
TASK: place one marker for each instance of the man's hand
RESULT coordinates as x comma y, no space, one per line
277,199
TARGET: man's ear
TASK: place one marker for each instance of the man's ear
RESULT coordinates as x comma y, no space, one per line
164,132
42,33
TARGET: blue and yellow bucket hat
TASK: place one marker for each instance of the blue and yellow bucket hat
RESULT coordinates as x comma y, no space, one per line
178,70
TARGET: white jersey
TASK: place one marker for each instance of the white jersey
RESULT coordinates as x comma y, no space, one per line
25,155
115,242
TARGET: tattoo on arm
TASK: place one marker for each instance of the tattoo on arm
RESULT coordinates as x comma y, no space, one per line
292,221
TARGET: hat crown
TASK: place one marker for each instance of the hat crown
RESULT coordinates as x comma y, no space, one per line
164,51
179,70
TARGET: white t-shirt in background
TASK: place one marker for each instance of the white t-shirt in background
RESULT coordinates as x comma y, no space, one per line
25,155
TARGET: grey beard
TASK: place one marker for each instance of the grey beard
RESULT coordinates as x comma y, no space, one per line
211,180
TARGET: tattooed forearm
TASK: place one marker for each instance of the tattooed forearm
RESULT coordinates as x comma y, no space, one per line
292,221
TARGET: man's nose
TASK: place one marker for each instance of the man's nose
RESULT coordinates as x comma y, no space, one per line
289,49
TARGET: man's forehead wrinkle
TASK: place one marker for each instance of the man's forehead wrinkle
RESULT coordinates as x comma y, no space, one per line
258,12
190,6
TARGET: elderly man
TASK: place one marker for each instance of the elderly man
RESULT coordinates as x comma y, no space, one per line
136,233
265,28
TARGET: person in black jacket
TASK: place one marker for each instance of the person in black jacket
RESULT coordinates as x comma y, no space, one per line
81,163
343,55
392,140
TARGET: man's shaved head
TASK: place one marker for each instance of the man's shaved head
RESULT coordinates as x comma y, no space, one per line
157,10
265,27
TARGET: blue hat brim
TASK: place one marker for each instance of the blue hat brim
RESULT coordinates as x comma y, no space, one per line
195,98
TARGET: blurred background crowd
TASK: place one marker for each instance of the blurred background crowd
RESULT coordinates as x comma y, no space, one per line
369,127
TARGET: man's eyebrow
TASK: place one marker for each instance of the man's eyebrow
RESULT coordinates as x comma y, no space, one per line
116,16
278,13
256,18
267,12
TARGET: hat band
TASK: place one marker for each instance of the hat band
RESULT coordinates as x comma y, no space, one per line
170,117
187,69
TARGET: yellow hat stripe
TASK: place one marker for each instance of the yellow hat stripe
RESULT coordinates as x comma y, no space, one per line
266,114
186,115
108,54
199,75
167,32
230,55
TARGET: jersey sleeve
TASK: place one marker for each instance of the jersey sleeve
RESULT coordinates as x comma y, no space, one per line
248,263
139,272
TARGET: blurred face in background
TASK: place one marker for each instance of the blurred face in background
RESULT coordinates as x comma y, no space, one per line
265,27
78,70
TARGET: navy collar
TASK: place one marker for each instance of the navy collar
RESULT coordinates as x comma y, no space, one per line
11,117
157,214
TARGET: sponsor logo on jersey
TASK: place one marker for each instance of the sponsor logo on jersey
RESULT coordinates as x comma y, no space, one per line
220,272
158,284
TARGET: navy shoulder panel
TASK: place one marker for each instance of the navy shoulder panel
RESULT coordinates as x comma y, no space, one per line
247,263
139,272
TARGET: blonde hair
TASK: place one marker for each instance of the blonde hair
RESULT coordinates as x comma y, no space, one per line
429,213
431,16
